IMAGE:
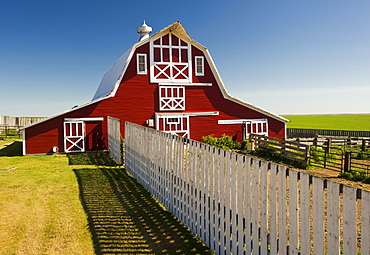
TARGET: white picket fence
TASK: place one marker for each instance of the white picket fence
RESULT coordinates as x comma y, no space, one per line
242,205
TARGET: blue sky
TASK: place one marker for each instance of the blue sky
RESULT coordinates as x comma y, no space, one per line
288,56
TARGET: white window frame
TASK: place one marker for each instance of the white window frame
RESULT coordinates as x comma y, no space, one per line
196,66
169,120
138,63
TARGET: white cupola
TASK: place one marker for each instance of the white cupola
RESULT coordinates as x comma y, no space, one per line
144,30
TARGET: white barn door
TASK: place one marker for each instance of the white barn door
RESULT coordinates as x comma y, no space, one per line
74,136
176,125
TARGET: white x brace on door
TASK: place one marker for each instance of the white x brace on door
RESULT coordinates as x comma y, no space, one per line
74,136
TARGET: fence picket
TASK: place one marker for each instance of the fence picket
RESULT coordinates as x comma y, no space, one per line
293,212
263,206
233,209
365,223
272,211
333,218
282,211
206,196
193,165
318,215
247,205
349,220
255,206
240,199
304,217
227,201
212,179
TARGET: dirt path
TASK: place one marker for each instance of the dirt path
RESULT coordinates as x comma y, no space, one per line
333,176
125,219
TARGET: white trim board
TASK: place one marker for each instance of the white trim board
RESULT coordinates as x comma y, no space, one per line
239,121
187,113
84,119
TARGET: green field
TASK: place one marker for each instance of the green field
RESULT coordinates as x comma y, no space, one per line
356,122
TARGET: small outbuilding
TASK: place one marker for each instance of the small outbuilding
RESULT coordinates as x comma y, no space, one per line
166,81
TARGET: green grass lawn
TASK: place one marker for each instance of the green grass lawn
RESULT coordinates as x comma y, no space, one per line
53,204
356,122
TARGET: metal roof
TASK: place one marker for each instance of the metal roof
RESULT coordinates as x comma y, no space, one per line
112,76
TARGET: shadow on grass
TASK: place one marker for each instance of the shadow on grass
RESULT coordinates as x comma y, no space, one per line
125,219
91,158
13,149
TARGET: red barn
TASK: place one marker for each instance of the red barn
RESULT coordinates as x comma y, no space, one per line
166,81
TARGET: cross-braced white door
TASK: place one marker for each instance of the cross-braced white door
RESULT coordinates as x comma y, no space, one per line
74,136
176,125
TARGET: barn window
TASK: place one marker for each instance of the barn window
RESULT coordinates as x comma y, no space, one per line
199,66
141,64
173,120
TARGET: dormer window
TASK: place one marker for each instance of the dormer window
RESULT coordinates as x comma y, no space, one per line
141,64
199,66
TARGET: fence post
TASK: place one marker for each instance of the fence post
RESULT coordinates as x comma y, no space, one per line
363,147
329,144
349,141
347,161
283,145
308,149
315,140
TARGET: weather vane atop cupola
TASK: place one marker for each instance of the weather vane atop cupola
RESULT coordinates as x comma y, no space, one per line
144,30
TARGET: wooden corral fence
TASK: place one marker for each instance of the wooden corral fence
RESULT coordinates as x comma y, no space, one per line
18,121
10,131
305,133
241,205
288,149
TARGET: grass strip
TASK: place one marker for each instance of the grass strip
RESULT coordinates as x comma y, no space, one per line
52,204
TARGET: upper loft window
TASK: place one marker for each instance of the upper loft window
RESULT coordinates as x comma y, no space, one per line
199,65
169,60
141,64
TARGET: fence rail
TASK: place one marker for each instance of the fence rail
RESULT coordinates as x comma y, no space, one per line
305,133
241,205
288,149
